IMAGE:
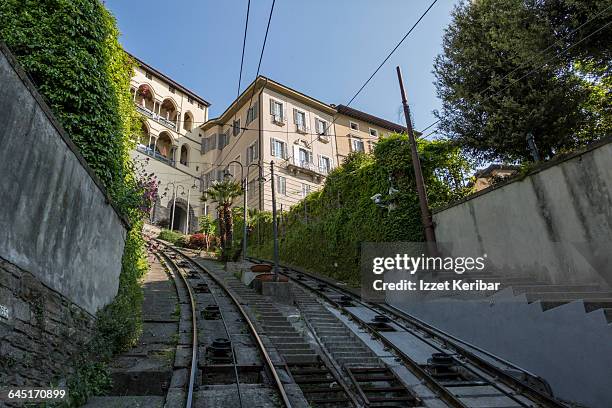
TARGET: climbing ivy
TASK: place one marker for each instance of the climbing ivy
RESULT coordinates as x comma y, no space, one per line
324,231
70,50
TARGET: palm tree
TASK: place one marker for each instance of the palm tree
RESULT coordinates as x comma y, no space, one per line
223,193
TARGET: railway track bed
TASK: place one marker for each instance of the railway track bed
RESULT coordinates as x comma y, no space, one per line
334,350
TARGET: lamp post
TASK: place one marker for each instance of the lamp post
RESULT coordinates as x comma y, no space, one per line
188,194
245,186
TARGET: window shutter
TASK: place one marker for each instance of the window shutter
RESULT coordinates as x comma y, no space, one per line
295,113
271,106
296,155
213,142
203,146
272,147
256,150
255,110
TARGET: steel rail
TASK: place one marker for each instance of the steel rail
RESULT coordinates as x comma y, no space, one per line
442,392
260,345
194,338
176,266
508,380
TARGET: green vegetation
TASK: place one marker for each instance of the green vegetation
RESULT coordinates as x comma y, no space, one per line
223,194
324,231
170,236
208,227
497,85
71,51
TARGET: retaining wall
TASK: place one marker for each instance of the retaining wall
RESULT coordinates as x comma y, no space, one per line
61,241
555,223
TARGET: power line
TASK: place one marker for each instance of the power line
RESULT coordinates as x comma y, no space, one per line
392,51
263,48
246,26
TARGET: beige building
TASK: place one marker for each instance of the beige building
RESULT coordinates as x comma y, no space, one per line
271,122
357,131
268,122
169,144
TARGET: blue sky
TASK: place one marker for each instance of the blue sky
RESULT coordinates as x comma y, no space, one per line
326,49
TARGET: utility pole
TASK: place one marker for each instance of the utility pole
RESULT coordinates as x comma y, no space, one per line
274,225
430,235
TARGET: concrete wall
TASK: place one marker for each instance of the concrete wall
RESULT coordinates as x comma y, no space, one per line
556,223
571,350
56,222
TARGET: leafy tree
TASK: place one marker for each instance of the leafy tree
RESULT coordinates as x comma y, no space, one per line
209,228
497,85
223,194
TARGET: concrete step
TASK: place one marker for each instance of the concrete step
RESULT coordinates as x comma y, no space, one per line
331,323
571,296
337,347
280,330
554,288
286,339
293,346
355,354
335,338
293,352
589,304
369,362
301,358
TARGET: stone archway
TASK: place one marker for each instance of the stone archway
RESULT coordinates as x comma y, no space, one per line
180,216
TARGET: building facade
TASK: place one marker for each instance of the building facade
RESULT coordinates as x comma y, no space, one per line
169,144
357,131
269,122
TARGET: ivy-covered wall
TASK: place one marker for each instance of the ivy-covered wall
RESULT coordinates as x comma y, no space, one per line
323,233
70,49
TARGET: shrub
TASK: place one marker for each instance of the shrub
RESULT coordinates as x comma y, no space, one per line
182,241
170,236
197,241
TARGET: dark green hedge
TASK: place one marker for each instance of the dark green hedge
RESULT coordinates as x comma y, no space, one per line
342,215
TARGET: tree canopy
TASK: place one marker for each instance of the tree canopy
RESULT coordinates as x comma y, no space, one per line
513,67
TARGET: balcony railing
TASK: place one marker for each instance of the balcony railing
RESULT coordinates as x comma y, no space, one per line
145,111
150,114
307,167
166,122
150,152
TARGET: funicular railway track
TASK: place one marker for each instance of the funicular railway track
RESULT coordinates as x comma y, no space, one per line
459,374
431,369
218,373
